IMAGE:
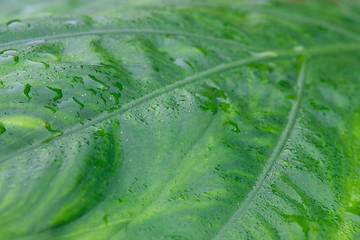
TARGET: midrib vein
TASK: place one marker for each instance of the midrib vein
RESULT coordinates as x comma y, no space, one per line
272,159
115,32
196,78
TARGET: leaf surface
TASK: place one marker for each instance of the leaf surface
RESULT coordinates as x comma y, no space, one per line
180,120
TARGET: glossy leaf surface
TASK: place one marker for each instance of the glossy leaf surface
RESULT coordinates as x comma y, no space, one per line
179,120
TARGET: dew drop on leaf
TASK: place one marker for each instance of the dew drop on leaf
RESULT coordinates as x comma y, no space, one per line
16,59
2,128
27,90
16,23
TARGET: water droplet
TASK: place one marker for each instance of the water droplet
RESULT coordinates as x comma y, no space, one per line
16,23
48,127
77,79
78,102
58,92
8,52
104,85
71,22
2,128
119,86
180,62
56,133
209,106
233,125
49,56
201,49
16,59
51,109
46,65
183,63
27,90
225,107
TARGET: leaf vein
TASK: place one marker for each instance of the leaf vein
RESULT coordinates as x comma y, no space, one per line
196,78
116,32
272,159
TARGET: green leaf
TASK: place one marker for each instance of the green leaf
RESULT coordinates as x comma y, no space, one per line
179,120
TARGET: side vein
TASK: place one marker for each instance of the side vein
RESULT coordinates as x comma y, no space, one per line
272,159
126,107
116,32
196,78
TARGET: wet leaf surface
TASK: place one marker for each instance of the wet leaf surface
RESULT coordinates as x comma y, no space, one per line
179,120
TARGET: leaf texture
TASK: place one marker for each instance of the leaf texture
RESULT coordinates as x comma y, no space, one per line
180,120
